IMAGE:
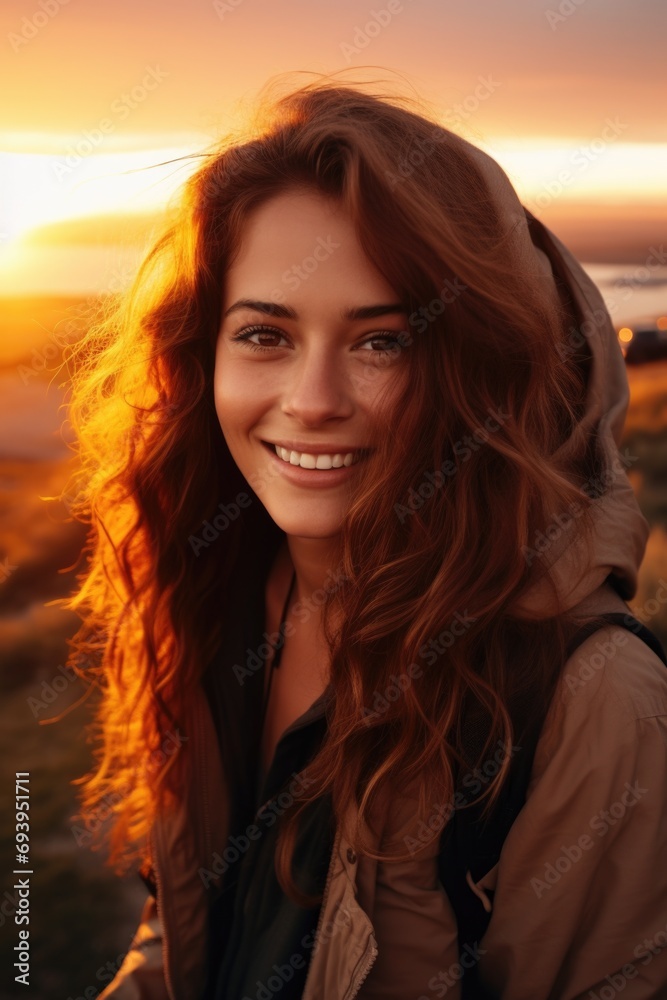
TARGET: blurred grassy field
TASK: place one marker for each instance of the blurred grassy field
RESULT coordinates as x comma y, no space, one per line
82,916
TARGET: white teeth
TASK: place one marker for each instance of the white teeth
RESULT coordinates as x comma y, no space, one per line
307,461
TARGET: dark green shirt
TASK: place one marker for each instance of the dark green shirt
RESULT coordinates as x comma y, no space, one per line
260,941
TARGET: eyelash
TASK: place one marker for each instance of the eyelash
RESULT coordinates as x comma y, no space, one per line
248,331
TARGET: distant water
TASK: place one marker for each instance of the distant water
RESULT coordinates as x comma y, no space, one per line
630,290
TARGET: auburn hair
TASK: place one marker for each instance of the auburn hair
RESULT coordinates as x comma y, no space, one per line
154,466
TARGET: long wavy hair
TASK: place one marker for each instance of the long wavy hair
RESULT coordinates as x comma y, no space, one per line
154,466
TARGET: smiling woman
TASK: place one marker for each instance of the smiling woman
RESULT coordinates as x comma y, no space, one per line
329,375
413,433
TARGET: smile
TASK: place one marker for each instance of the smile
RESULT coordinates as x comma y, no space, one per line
305,460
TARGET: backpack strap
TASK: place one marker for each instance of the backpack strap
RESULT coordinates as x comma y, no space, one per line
470,847
627,621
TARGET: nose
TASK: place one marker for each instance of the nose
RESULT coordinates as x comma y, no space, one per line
318,387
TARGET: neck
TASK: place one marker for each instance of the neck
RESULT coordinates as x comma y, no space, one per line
313,560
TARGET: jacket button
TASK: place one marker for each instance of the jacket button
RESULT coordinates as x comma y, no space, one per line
351,856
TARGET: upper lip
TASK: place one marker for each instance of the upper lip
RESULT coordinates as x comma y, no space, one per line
317,449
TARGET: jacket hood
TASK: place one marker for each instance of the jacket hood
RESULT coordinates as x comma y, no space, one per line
618,541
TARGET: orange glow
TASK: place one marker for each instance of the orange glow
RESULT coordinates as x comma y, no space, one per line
661,322
46,188
625,334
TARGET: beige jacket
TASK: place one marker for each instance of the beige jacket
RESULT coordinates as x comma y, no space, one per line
580,904
580,891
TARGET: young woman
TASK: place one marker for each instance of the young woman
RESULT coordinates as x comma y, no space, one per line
351,449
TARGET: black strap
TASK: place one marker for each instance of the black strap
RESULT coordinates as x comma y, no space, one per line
277,649
627,621
468,844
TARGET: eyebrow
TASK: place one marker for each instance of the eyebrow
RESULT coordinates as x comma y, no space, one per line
286,312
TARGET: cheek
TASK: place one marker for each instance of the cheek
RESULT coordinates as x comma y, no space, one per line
235,417
382,391
227,405
235,401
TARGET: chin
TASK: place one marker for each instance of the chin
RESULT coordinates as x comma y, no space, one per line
303,523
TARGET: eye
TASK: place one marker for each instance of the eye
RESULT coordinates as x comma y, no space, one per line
250,331
392,344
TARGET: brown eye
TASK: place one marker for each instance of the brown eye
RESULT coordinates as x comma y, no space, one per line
264,331
390,344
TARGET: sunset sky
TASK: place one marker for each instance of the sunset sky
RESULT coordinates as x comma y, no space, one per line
569,89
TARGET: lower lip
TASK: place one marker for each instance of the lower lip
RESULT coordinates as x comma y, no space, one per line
311,477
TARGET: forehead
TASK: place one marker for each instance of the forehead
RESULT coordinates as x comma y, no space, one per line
302,244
